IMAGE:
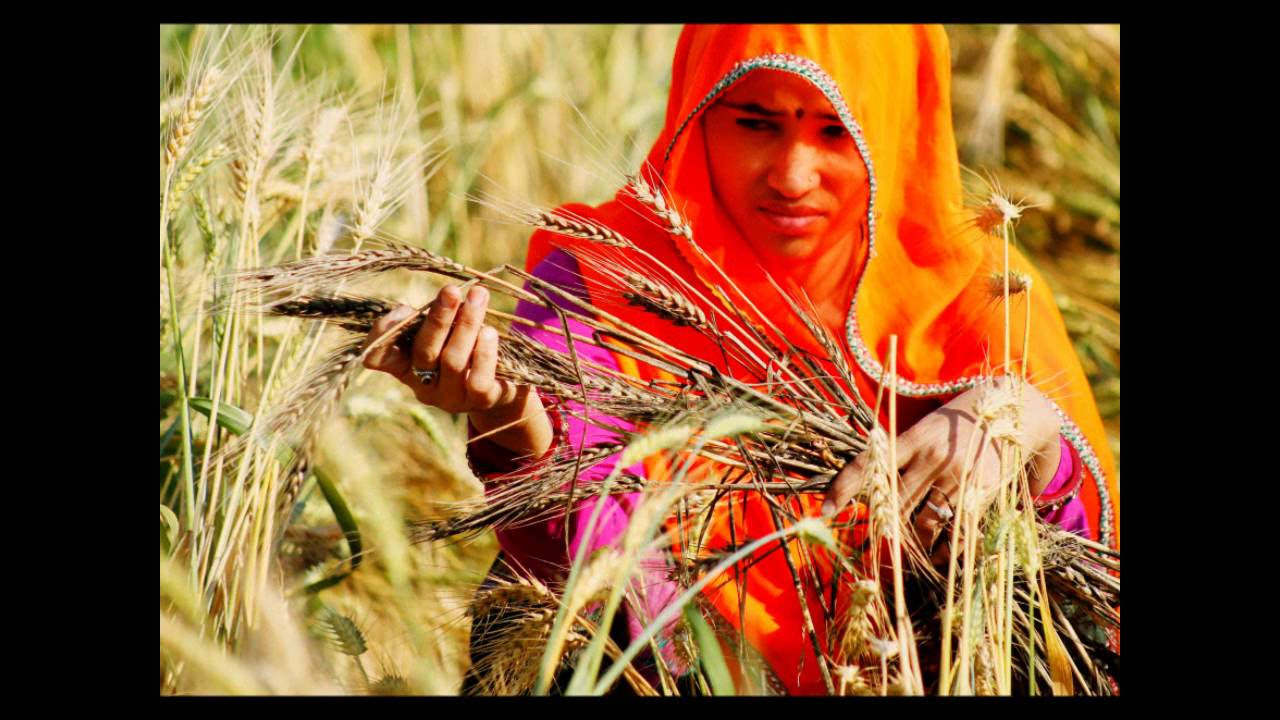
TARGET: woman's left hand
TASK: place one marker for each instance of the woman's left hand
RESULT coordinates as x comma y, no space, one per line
931,457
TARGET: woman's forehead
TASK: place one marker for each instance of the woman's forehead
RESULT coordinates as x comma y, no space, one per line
779,91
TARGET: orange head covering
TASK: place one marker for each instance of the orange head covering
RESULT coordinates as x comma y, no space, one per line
916,269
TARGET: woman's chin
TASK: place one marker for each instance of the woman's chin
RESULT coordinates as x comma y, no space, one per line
791,247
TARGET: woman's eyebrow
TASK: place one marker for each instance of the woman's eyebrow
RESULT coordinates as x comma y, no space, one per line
754,109
757,109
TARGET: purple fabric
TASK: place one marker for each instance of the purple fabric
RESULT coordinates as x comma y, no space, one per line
541,548
1071,516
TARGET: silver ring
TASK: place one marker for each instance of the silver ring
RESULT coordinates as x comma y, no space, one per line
426,377
943,512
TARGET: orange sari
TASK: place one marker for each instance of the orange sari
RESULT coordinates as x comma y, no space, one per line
918,269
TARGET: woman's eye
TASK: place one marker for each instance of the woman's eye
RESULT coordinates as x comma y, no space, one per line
756,124
835,132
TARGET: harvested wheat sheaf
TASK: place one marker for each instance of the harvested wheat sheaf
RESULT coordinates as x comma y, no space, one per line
807,433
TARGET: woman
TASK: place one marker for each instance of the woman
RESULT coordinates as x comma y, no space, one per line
825,155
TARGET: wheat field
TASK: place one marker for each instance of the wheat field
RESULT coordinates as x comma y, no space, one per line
278,143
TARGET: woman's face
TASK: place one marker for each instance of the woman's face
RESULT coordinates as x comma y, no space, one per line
783,166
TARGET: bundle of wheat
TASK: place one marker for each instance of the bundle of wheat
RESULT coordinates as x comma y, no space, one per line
1012,566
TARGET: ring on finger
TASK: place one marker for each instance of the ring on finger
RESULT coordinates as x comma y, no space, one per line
942,510
426,377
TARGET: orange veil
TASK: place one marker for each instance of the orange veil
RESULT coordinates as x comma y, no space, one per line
917,270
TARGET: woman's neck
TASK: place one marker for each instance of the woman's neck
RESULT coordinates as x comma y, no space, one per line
827,277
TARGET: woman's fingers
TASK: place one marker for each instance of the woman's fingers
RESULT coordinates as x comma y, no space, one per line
483,389
845,483
842,487
455,356
942,550
435,328
927,455
986,478
934,517
386,356
453,341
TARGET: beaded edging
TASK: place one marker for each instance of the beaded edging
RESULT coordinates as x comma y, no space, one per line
814,73
1069,430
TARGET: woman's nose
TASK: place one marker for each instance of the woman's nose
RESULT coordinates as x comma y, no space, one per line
794,172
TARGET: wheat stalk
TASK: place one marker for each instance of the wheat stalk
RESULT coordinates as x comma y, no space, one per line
193,169
561,222
193,111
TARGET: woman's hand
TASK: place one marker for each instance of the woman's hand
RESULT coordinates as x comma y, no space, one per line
931,457
462,351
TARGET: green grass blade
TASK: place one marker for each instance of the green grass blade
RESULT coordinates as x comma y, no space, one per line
324,583
168,529
709,654
676,606
230,417
341,513
184,415
167,435
237,421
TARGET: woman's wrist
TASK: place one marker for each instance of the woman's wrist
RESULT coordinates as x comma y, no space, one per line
1044,466
1066,482
521,426
1044,446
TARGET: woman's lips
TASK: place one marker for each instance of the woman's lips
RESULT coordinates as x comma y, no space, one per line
796,222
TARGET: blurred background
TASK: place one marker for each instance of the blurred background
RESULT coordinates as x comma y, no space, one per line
545,115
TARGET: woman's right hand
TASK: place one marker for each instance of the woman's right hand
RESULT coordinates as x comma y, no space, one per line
455,342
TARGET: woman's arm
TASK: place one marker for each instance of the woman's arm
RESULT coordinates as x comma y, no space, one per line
542,547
